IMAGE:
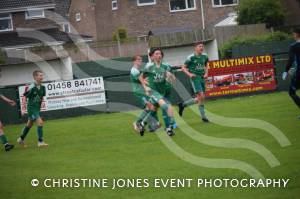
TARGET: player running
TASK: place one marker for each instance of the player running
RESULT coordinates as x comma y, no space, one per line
294,58
153,121
167,96
196,68
7,146
34,94
155,87
138,91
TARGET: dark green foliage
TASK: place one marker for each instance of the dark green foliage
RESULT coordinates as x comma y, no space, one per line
225,50
121,33
270,12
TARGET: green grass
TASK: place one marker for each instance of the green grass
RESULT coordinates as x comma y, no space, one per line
105,146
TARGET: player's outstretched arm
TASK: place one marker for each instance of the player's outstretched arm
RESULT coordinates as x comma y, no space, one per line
143,81
290,60
186,71
206,71
42,98
9,101
284,75
289,64
171,77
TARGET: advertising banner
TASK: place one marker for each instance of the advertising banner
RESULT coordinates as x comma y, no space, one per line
241,75
69,94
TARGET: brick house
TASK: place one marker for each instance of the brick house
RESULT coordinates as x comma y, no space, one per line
37,14
82,17
100,18
32,35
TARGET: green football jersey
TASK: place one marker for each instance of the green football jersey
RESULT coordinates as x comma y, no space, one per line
156,77
197,64
34,97
169,69
135,82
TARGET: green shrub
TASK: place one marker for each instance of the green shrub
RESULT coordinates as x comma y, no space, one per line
122,32
226,49
270,12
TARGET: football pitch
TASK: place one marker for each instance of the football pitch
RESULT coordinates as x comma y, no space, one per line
104,146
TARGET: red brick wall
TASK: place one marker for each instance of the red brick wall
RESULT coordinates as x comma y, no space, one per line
86,26
214,14
138,20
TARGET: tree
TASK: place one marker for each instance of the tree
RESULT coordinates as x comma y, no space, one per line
270,12
120,34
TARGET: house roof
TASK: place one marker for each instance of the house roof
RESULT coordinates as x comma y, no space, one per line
25,37
10,5
62,7
229,20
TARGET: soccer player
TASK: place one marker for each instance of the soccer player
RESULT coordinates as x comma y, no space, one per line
196,68
167,95
294,58
7,146
168,87
34,94
154,122
139,92
155,87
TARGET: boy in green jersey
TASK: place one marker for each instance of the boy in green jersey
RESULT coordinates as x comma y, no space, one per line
34,94
7,146
153,79
139,93
153,122
196,68
167,96
168,89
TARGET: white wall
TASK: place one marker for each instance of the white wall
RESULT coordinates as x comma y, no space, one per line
22,73
211,49
177,55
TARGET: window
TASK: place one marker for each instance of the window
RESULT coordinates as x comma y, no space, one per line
114,4
34,14
77,16
66,27
6,22
181,5
224,2
145,2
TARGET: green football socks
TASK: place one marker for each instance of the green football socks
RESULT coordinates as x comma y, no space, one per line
3,139
40,133
24,132
142,115
201,110
165,118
